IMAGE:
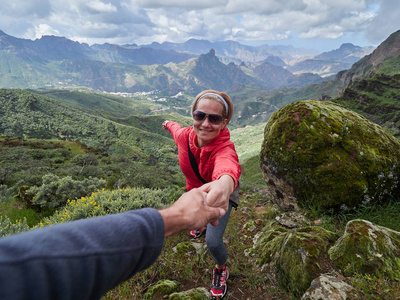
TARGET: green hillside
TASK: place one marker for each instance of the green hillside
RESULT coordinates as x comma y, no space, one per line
377,98
24,114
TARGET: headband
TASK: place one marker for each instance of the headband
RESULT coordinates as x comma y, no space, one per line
219,96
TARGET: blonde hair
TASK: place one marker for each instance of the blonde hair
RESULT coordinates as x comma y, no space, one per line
226,113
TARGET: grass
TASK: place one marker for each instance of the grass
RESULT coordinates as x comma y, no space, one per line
386,215
16,210
372,287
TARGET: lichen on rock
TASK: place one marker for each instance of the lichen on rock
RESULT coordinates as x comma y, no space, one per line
320,153
329,287
367,248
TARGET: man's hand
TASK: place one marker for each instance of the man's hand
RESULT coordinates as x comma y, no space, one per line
188,212
218,191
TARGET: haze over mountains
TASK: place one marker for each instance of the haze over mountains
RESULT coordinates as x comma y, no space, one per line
169,67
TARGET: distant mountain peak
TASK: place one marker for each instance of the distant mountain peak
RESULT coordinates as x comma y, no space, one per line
372,62
2,33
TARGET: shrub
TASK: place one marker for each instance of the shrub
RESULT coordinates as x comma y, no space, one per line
113,201
55,191
8,228
6,193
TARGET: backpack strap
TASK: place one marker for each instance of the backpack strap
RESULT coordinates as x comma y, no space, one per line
194,165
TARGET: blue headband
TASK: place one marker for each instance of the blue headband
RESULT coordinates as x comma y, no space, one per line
219,96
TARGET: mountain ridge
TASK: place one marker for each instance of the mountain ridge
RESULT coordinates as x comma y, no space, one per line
58,62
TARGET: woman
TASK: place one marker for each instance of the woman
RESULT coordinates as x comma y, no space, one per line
209,162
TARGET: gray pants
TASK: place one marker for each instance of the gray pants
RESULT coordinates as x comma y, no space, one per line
214,239
214,235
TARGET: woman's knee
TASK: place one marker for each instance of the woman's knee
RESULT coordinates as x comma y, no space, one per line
214,242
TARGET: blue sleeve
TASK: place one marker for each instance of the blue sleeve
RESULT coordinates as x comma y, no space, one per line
81,259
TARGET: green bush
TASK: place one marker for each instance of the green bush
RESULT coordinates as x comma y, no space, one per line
6,193
113,201
55,191
8,228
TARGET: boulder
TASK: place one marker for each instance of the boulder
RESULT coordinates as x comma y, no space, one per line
321,154
296,256
330,287
367,248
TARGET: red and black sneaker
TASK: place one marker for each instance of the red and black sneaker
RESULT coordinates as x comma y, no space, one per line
198,233
219,287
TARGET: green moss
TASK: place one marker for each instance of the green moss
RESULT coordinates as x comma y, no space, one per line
185,247
331,154
161,288
367,248
194,294
297,256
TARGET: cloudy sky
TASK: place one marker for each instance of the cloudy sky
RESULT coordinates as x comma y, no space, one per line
314,24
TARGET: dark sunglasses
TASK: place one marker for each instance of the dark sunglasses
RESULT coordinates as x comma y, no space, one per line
214,119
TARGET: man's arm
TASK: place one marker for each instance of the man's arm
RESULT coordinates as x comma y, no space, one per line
80,259
84,259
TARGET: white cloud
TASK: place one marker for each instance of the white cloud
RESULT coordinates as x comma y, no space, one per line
45,29
183,4
99,6
263,7
144,21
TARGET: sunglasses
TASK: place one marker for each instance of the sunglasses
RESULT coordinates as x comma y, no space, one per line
214,119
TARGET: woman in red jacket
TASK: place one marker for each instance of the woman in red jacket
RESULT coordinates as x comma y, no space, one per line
209,162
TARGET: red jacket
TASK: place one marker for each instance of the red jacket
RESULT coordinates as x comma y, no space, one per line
214,160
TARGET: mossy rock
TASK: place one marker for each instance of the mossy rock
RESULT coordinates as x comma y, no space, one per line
330,287
185,247
318,153
162,288
268,243
194,294
297,256
367,248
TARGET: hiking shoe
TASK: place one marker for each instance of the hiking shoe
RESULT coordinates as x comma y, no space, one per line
197,233
219,287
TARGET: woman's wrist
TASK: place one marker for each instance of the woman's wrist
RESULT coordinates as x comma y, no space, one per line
164,124
229,181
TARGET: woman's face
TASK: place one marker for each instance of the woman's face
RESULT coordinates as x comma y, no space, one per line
205,131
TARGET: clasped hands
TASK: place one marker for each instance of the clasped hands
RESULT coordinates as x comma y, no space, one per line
198,207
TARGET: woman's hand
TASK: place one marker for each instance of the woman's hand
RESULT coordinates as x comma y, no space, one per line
164,124
188,212
218,192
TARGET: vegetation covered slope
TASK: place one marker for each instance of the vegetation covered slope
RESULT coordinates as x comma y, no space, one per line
24,114
377,98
